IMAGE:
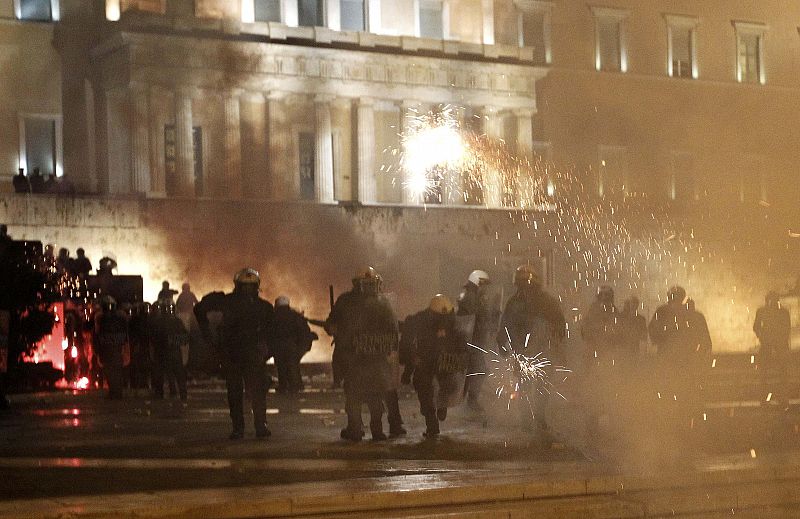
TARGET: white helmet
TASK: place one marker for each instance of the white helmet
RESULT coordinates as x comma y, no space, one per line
282,301
477,276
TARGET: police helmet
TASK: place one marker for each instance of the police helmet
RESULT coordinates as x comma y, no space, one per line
772,297
676,293
440,304
478,278
525,275
282,301
369,281
247,276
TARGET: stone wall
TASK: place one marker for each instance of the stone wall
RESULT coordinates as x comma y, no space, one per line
301,248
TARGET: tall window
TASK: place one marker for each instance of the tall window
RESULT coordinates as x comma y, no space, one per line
533,34
39,148
431,21
36,10
307,149
682,52
610,46
267,10
310,13
613,171
750,52
353,15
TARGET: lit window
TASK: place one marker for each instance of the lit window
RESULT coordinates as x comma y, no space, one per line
610,48
40,144
310,13
534,29
682,52
430,19
352,13
35,10
750,52
267,10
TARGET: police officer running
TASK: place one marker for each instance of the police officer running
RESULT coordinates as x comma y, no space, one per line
245,335
438,360
366,332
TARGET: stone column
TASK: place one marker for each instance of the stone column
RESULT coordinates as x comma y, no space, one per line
487,10
409,198
184,149
233,145
140,146
367,188
255,174
278,145
524,132
492,179
453,191
155,128
323,165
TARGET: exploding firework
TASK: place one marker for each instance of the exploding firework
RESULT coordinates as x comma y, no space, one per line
517,376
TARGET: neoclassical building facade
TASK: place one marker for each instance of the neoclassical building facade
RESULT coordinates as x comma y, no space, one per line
186,99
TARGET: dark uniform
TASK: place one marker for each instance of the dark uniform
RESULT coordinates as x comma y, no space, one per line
292,339
366,332
140,335
473,302
244,337
534,323
168,335
601,356
772,326
683,343
439,360
111,332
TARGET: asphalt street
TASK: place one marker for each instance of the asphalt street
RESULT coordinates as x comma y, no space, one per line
80,443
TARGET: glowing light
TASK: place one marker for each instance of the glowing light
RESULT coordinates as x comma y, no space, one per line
64,344
112,10
428,150
73,353
83,383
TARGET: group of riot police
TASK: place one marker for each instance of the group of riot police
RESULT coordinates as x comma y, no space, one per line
143,348
432,347
443,349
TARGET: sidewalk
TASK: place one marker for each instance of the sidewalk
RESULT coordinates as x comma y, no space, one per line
755,488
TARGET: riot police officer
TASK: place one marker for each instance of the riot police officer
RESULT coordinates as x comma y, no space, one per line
169,336
532,322
601,342
366,332
111,332
474,304
244,337
681,335
439,360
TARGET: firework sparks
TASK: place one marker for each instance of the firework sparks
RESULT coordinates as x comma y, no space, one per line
517,376
620,237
